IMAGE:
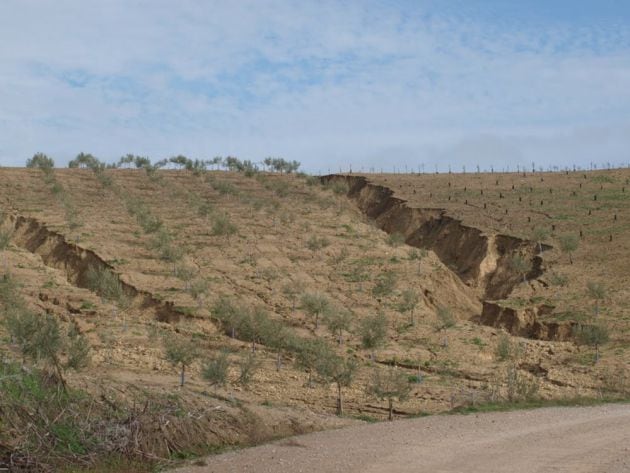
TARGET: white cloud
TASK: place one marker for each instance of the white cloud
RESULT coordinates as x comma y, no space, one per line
327,83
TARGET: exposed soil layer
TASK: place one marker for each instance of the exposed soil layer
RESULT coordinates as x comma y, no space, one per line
481,261
76,262
464,249
526,322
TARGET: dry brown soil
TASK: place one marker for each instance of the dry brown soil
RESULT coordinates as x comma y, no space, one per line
277,218
576,440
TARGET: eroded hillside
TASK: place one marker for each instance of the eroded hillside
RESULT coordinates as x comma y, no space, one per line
186,251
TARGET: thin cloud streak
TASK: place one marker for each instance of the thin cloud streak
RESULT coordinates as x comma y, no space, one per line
327,83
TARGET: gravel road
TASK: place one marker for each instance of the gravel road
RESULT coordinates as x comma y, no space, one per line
576,440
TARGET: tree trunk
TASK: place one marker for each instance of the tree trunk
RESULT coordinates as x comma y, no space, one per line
278,362
339,400
391,409
182,375
59,373
596,353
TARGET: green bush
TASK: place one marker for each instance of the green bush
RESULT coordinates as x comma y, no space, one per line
312,180
395,239
5,239
222,226
315,305
41,161
504,347
215,369
373,331
315,243
385,284
248,365
107,285
446,318
338,187
180,352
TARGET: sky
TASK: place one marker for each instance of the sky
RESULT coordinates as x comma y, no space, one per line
365,84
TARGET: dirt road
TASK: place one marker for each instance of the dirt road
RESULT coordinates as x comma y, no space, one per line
576,440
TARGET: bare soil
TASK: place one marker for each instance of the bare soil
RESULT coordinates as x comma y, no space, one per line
576,440
281,223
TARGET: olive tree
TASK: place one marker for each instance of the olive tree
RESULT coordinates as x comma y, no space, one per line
41,161
291,290
315,305
41,339
408,303
597,292
385,284
520,265
223,226
180,352
446,318
338,320
540,234
568,244
373,332
215,369
592,335
332,368
389,386
308,354
248,365
229,315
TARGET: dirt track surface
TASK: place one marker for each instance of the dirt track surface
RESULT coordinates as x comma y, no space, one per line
594,439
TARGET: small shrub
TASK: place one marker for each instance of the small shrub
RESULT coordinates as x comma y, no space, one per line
180,352
338,187
5,239
315,305
373,331
504,348
557,279
592,335
281,188
385,284
106,284
520,387
395,239
389,386
222,226
215,369
417,255
224,187
312,180
41,161
248,366
446,318
314,243
568,244
205,209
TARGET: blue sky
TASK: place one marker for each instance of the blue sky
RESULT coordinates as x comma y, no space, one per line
332,84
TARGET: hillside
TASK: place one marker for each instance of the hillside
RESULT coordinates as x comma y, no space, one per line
238,263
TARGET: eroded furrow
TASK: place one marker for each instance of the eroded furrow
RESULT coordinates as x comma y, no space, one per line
481,261
75,261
